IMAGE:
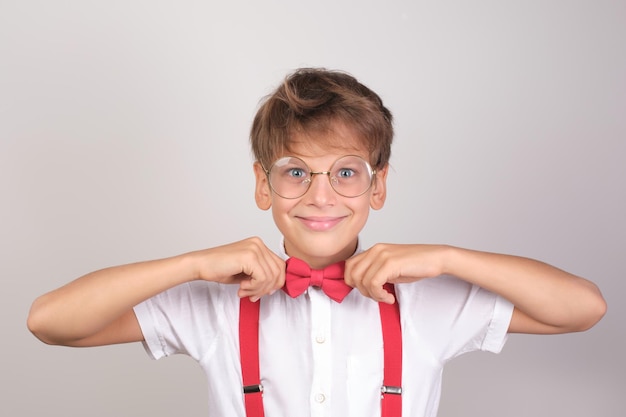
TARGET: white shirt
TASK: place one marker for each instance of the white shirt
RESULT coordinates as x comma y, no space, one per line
319,357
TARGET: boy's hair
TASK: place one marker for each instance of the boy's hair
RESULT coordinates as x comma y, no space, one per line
311,100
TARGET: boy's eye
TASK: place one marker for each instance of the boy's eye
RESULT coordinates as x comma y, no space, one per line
297,173
345,173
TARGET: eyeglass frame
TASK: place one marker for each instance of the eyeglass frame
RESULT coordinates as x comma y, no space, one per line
312,173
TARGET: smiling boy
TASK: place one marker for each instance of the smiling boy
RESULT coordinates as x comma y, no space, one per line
322,146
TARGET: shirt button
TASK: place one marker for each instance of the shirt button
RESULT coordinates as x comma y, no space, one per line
320,338
320,398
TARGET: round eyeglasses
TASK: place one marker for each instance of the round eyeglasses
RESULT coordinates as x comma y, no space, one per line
349,176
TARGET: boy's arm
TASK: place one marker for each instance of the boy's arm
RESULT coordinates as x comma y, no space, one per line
546,299
97,309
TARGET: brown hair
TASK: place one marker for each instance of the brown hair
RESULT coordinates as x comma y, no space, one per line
310,100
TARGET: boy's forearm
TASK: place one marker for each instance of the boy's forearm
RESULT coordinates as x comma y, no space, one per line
559,300
85,306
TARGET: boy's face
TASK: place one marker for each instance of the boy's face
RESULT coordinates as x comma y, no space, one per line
321,227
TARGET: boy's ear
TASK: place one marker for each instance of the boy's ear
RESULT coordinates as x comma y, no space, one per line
262,191
379,188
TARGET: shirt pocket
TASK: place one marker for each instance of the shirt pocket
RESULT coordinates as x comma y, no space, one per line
365,376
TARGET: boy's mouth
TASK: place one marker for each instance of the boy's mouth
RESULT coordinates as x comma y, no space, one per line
320,224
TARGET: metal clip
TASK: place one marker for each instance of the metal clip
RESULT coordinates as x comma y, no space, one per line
252,389
387,389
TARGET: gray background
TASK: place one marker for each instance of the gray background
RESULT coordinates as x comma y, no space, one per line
123,137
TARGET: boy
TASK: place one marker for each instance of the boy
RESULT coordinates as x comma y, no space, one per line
322,146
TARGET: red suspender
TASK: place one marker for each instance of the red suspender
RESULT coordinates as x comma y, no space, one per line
391,398
249,353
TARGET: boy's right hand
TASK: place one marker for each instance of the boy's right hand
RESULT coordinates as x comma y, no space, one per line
249,263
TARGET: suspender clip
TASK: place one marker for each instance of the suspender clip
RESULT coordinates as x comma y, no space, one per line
252,389
388,389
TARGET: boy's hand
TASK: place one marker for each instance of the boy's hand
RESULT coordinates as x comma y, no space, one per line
392,263
249,263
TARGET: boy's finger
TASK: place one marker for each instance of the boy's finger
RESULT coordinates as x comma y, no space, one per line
382,295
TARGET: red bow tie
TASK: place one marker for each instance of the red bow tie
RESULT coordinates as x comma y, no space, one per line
299,276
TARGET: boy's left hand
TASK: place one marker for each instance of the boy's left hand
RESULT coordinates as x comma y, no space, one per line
392,263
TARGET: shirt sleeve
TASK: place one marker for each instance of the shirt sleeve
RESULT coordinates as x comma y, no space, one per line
498,327
450,317
185,319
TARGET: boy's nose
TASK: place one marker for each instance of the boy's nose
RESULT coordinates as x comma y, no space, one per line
320,190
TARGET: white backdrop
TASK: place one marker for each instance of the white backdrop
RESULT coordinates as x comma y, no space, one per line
123,137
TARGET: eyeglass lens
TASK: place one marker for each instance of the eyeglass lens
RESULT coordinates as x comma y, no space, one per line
350,176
